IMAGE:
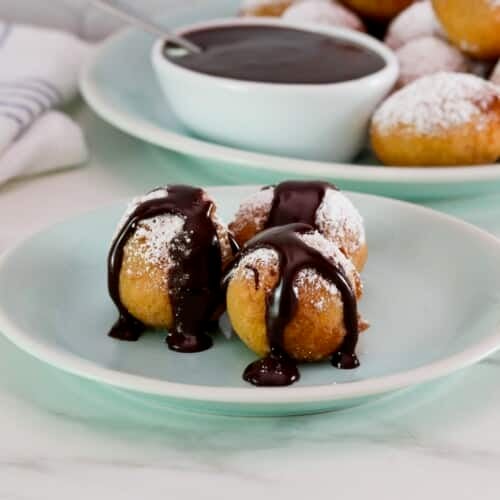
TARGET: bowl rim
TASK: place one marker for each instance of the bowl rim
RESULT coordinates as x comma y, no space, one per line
389,72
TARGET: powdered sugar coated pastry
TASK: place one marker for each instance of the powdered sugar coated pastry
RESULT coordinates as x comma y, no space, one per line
442,119
269,258
254,210
471,25
169,244
157,232
340,221
316,326
382,10
135,202
324,12
334,216
426,56
417,21
435,103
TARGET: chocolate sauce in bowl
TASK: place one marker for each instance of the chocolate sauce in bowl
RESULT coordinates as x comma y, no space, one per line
194,278
277,368
274,54
297,201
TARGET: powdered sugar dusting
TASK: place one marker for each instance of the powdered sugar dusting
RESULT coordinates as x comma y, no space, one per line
417,21
323,12
268,258
259,201
156,235
308,279
337,218
151,243
311,279
426,56
340,221
436,103
331,252
256,207
139,200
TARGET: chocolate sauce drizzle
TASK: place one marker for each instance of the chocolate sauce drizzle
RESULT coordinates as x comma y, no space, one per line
194,278
277,368
297,201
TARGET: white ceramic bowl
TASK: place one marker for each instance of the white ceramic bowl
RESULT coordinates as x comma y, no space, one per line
312,121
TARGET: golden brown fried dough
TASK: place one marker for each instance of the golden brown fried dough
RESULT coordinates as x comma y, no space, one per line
378,9
446,119
336,218
264,8
317,329
474,26
143,281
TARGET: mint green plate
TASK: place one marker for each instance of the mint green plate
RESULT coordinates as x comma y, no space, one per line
120,85
432,296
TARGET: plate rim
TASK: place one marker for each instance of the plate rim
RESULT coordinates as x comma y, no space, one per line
146,131
75,365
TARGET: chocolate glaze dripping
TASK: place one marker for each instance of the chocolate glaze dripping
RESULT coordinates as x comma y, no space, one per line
194,279
297,201
277,369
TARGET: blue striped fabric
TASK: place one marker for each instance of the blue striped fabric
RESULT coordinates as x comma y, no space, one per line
26,95
21,102
38,73
22,106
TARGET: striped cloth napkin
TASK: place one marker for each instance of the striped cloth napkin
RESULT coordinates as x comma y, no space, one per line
38,73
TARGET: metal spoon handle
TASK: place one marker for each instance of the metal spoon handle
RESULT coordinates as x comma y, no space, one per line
132,17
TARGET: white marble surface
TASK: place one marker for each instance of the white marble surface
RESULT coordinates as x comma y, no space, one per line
64,438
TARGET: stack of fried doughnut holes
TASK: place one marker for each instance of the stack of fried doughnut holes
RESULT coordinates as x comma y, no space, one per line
447,111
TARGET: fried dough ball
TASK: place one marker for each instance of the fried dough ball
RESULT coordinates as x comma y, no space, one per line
446,119
474,26
143,281
324,12
377,9
426,56
336,218
317,328
417,21
264,8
